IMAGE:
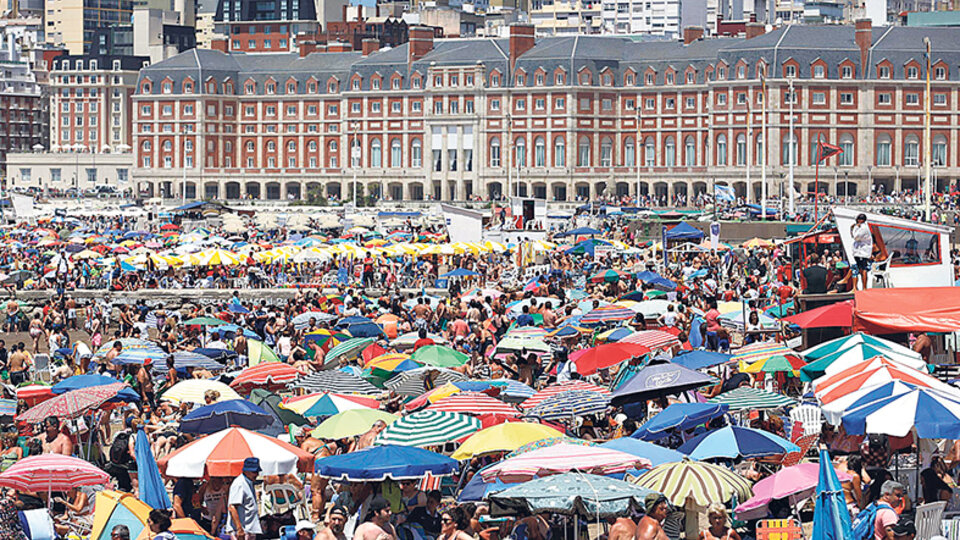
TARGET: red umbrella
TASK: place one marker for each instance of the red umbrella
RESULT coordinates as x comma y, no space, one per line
654,339
588,361
270,375
839,314
73,403
473,403
169,227
52,472
554,389
34,393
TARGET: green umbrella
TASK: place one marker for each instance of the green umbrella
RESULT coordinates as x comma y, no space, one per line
429,428
351,423
573,493
347,349
270,401
702,482
745,397
204,321
439,356
259,352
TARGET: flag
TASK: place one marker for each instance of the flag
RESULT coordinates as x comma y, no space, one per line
724,193
826,150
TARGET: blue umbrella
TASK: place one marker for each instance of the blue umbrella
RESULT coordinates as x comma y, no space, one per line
152,490
365,329
232,328
78,382
659,380
510,388
663,284
233,307
185,359
579,232
382,462
701,359
477,490
681,416
569,404
220,355
460,272
349,321
931,414
831,519
219,416
138,356
658,455
733,441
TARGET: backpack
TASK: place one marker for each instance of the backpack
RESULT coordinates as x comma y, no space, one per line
120,448
863,524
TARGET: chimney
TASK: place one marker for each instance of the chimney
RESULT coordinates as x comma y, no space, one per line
369,46
755,29
420,42
864,37
339,46
219,45
691,34
521,40
306,46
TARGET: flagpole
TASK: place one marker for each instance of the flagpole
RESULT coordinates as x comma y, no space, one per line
816,182
927,154
765,153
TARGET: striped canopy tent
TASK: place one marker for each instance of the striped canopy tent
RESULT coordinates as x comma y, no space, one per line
336,381
429,428
745,398
702,482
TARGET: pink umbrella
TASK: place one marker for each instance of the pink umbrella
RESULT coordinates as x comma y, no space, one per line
51,472
562,458
473,403
797,482
73,403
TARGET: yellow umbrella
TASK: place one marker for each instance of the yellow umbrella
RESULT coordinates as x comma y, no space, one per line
86,254
729,307
505,437
350,423
192,390
759,243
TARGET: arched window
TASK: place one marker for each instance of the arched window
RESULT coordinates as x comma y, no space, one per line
375,154
271,146
520,152
721,150
846,144
689,152
539,153
147,146
649,152
741,150
312,146
760,154
911,151
789,153
629,153
583,152
167,145
559,152
670,153
938,152
814,137
250,146
396,153
606,152
416,154
883,150
292,146
333,153
355,152
494,152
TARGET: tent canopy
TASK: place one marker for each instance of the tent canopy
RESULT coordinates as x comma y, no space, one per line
683,231
908,309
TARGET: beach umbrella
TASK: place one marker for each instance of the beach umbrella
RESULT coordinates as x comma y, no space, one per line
745,398
756,352
795,483
558,388
838,315
336,381
459,273
368,329
856,354
222,454
473,403
71,404
700,359
182,529
505,437
659,380
650,309
569,404
874,372
789,363
703,483
439,356
348,349
682,416
78,382
588,361
835,345
517,344
429,428
545,443
326,338
736,442
655,453
269,401
51,472
126,343
831,518
411,382
607,314
151,488
328,403
513,390
192,390
408,340
391,362
33,393
563,458
139,356
351,423
579,494
259,352
224,414
113,508
652,339
608,276
204,321
272,375
758,242
302,321
378,463
189,359
931,414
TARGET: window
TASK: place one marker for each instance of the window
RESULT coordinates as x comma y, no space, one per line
271,146
540,104
669,78
691,77
606,153
940,99
452,159
395,83
468,106
911,152
416,154
938,152
468,80
520,152
883,99
741,72
583,152
819,98
846,98
741,98
883,151
395,107
649,104
721,150
355,107
417,83
539,153
454,80
741,150
454,107
629,105
495,152
438,107
559,152
789,150
629,153
584,104
649,152
670,103
539,79
906,247
670,153
271,110
375,107
167,111
689,152
690,103
606,104
883,72
845,159
846,72
648,80
521,104
721,99
396,154
438,81
913,72
355,84
940,74
291,110
375,83
558,79
494,104
819,72
416,106
912,99
375,154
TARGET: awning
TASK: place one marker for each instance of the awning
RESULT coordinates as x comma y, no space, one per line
908,309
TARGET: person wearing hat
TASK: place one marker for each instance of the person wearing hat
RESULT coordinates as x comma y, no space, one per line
244,523
657,509
336,519
304,530
377,525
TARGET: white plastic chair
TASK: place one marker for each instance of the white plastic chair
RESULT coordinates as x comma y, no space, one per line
880,274
927,519
809,416
279,498
41,367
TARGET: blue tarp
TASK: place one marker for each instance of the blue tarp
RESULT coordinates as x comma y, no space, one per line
683,231
152,490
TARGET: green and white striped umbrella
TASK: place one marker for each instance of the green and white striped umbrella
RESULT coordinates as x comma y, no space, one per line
347,349
702,482
746,397
429,428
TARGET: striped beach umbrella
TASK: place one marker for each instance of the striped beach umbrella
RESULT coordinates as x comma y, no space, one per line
473,403
223,453
608,276
745,397
569,404
789,363
302,321
761,351
563,458
336,381
702,482
52,472
558,388
139,355
73,403
549,441
605,314
652,339
192,390
273,375
414,382
429,428
126,343
439,356
327,403
347,349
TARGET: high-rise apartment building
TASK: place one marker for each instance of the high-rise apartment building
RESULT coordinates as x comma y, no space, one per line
23,123
73,23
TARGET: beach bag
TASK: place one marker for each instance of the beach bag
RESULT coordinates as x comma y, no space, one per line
120,448
863,524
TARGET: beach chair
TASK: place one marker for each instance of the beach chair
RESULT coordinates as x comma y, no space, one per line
41,367
879,274
281,498
805,443
928,518
810,416
37,524
779,529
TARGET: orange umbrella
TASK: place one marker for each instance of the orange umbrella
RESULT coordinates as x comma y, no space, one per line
389,323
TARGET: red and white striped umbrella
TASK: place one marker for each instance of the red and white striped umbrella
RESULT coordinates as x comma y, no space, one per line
555,389
73,403
52,472
266,375
654,339
473,403
563,458
222,454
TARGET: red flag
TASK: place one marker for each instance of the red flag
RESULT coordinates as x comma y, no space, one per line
826,150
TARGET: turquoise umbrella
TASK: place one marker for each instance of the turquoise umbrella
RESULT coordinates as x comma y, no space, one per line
573,493
831,519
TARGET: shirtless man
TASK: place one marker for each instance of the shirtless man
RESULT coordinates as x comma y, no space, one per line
377,526
657,509
19,364
112,354
368,438
53,440
621,528
146,382
335,522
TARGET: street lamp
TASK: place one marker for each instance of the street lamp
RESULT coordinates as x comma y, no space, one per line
836,172
870,178
355,154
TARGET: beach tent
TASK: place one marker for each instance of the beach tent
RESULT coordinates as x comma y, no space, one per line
117,508
683,231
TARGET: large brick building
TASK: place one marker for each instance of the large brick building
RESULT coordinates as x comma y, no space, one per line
556,118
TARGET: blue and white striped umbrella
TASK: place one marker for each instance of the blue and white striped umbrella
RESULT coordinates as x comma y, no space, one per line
569,404
934,414
139,355
513,390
